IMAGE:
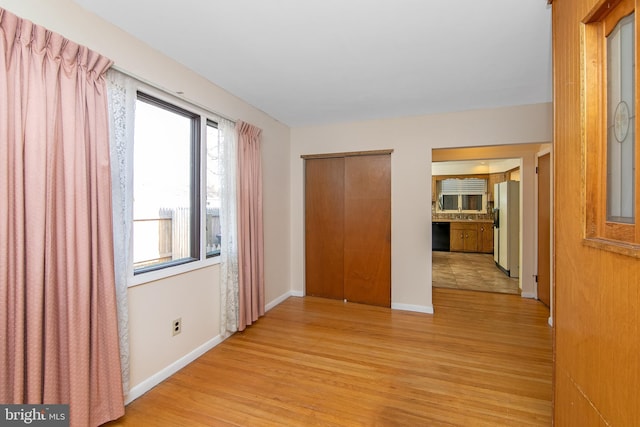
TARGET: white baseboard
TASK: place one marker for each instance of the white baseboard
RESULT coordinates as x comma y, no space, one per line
428,309
530,295
165,373
281,298
162,375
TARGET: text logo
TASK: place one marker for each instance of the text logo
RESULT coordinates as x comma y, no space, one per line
34,415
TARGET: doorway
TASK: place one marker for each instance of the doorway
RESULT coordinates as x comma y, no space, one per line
468,262
527,154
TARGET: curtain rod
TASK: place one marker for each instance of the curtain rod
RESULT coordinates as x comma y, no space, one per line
176,94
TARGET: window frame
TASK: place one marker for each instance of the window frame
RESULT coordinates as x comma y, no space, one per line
194,178
599,232
213,123
198,176
460,194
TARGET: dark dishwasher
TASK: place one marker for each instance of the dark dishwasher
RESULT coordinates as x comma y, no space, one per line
440,236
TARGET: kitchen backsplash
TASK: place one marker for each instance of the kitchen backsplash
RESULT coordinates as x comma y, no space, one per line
438,215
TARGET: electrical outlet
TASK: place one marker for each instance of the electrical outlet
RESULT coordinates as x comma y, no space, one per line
176,326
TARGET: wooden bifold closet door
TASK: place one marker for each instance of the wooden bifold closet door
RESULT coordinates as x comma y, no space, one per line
348,227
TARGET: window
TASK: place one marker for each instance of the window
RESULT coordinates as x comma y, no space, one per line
449,202
462,195
472,202
609,87
170,226
620,122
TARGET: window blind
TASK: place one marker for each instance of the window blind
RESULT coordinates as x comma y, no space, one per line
464,186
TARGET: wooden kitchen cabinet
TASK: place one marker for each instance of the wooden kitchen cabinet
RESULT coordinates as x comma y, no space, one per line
494,178
485,237
456,243
471,237
434,189
464,237
471,240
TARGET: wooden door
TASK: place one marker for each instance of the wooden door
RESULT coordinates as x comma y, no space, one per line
471,239
595,303
485,238
367,226
456,243
324,225
544,229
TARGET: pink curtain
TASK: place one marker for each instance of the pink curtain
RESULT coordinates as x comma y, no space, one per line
58,326
250,232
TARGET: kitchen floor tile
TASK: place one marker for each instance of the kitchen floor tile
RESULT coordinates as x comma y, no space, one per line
471,271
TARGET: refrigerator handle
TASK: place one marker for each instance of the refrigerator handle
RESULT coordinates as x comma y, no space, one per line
496,218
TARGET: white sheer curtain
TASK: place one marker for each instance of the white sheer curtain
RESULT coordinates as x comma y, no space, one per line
228,228
122,97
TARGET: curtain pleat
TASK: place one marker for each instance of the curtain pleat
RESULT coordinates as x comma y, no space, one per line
59,328
250,226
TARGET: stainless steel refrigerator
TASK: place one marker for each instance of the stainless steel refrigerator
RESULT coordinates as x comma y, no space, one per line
506,227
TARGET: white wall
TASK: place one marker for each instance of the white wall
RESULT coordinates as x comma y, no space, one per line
193,296
504,165
413,139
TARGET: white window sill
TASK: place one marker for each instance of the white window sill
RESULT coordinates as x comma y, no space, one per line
152,276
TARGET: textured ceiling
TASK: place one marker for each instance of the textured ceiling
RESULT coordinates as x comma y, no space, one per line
326,61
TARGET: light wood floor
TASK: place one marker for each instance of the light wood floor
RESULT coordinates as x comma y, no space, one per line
471,271
482,359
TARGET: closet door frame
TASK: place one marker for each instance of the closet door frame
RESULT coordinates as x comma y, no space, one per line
326,238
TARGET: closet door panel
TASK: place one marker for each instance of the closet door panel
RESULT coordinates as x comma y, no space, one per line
367,229
324,225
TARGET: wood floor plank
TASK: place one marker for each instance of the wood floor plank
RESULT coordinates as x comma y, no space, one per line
481,360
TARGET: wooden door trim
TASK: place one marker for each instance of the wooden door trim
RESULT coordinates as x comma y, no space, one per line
544,274
346,154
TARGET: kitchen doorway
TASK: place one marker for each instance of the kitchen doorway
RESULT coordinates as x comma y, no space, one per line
471,258
475,236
